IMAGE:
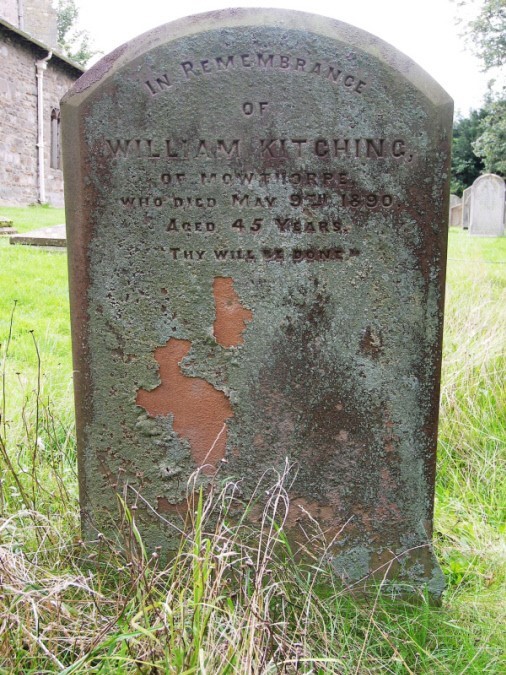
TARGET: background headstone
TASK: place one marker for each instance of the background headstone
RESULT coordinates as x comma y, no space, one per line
54,235
466,207
257,235
487,206
455,219
456,216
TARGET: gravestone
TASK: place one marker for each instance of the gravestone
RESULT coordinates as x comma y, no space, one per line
487,206
455,211
257,206
456,216
455,219
455,200
54,236
466,207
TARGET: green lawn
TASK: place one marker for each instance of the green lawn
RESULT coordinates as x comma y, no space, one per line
233,602
33,217
34,294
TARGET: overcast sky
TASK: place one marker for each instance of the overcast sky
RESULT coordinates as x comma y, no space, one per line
425,30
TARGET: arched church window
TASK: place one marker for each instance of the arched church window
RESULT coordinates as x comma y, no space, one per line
55,139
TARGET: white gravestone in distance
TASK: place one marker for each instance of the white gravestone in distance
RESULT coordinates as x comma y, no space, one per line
487,206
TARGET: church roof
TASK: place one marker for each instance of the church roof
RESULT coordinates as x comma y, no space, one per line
26,37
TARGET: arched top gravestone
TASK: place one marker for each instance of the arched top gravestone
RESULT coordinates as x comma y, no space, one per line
488,194
257,204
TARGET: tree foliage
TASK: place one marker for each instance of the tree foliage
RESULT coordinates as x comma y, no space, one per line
490,145
479,141
466,165
486,32
75,44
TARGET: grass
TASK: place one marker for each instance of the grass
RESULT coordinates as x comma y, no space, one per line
34,293
33,217
234,600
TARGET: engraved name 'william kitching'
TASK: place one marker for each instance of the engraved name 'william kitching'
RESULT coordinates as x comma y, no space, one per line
269,148
191,69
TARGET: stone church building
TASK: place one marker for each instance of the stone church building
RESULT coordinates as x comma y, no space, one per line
33,78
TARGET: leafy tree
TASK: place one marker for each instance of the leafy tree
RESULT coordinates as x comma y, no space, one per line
491,142
486,33
480,141
75,44
466,164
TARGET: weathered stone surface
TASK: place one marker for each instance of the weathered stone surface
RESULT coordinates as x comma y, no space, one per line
487,206
257,206
466,207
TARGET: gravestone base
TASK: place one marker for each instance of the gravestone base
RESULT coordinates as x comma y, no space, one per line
399,572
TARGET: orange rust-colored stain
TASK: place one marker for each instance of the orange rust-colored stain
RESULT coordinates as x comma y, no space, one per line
199,411
231,316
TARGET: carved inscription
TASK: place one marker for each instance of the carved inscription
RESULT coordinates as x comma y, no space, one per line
265,61
173,148
267,188
294,255
327,179
269,148
305,203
